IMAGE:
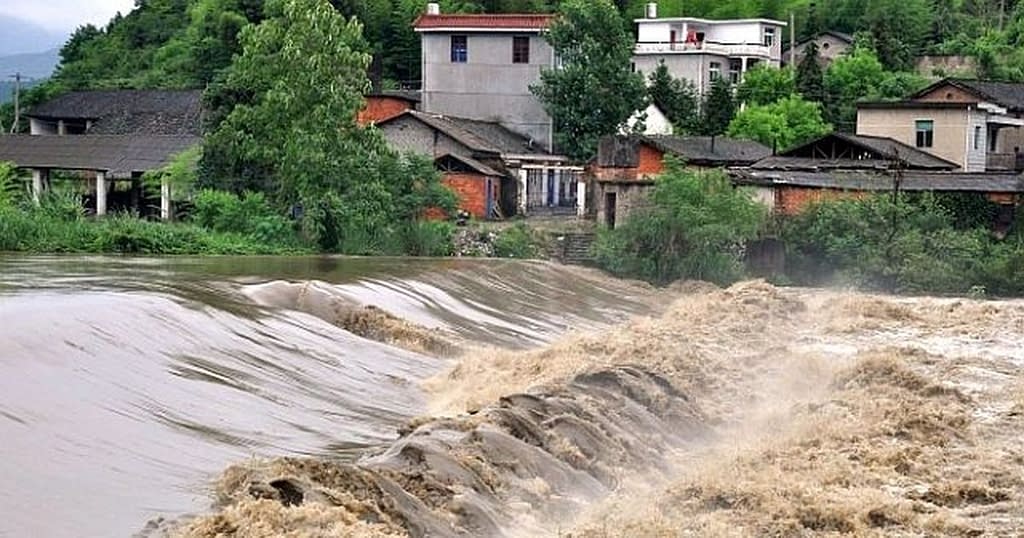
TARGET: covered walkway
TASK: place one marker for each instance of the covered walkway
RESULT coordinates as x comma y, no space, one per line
110,157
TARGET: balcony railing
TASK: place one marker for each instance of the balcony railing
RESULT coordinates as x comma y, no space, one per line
1004,161
724,49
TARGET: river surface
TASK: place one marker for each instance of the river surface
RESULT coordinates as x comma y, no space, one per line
128,384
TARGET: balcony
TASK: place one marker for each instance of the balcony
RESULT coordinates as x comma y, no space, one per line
1004,161
707,47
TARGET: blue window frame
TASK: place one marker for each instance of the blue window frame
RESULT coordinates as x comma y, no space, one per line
460,49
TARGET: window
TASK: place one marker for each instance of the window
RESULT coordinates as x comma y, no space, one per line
925,133
977,137
716,70
520,50
769,37
460,49
993,139
735,66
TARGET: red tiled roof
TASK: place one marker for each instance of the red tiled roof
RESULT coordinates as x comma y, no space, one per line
502,21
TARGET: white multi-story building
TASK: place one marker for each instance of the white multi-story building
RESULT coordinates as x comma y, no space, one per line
700,50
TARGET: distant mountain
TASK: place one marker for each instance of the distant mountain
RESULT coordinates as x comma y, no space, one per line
18,36
31,66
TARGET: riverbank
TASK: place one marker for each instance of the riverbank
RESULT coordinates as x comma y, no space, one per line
751,410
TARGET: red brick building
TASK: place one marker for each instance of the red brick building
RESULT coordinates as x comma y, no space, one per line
381,107
477,185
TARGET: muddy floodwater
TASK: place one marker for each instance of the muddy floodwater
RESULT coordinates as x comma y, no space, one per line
263,397
128,385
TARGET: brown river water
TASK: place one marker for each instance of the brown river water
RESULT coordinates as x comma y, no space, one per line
264,397
128,385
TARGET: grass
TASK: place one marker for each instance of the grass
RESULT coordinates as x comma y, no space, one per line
39,232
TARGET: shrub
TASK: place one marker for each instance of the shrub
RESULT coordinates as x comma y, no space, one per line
696,226
516,242
911,244
249,214
428,238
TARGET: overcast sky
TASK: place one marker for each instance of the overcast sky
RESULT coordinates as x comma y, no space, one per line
65,15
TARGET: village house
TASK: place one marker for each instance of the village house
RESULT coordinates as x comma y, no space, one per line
975,124
496,172
831,45
700,50
840,165
108,139
384,105
626,167
481,67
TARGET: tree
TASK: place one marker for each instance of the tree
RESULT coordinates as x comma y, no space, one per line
593,93
298,85
809,77
677,98
781,125
694,226
764,85
852,77
899,28
718,108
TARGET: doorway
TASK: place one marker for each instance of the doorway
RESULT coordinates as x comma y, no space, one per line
610,200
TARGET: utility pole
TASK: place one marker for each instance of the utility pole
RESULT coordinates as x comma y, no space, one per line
792,40
17,102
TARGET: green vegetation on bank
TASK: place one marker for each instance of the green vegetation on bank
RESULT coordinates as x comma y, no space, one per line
694,227
698,226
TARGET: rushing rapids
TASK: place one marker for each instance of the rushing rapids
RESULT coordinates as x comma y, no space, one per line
394,398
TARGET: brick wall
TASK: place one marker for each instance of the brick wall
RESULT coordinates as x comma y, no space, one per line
380,108
652,161
472,191
793,200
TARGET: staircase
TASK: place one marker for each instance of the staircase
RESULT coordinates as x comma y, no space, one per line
574,247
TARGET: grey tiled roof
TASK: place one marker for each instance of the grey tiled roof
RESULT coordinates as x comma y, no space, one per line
119,155
1007,94
705,151
471,163
861,180
479,136
115,112
867,148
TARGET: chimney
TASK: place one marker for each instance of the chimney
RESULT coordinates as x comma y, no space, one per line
652,10
433,8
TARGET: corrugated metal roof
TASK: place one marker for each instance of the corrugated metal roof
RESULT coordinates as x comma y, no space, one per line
878,181
509,21
118,155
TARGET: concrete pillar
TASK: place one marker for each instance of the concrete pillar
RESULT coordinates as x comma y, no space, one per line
581,198
165,199
545,175
62,128
101,194
558,188
37,184
522,191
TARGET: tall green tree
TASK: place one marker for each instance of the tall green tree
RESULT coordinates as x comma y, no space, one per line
300,81
780,125
764,85
810,80
593,93
852,77
677,98
900,28
718,108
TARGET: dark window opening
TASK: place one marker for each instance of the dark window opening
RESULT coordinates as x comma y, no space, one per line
925,130
520,50
460,49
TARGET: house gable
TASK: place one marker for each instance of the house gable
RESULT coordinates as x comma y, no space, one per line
406,132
